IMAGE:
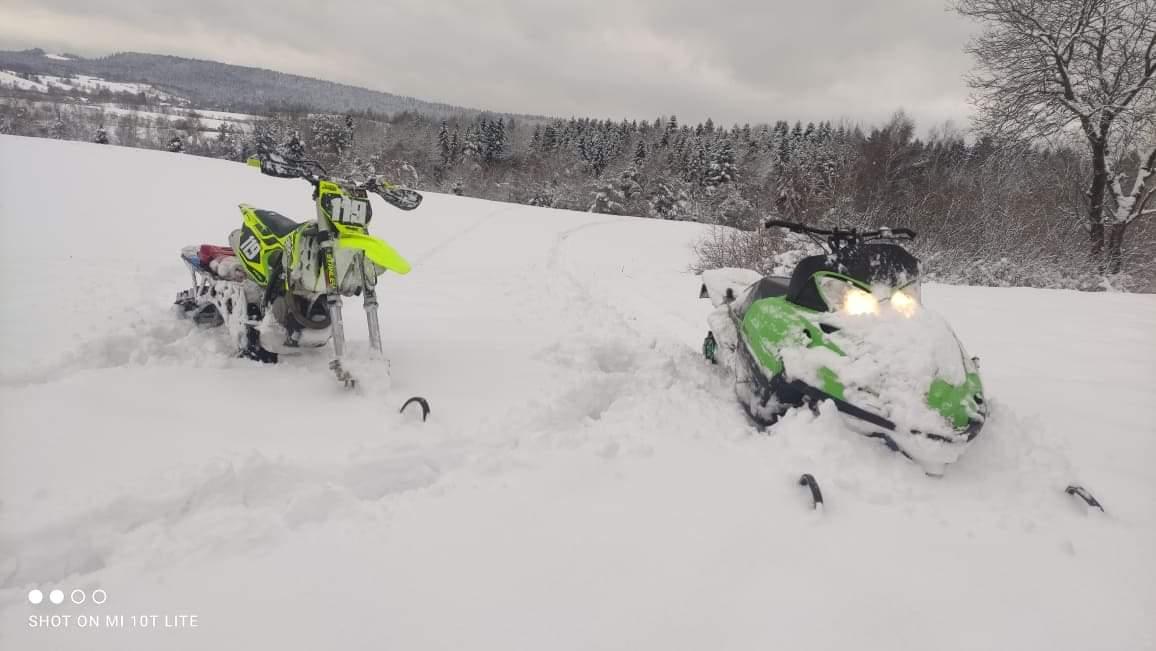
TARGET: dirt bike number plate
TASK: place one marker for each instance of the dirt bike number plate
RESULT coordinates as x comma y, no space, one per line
347,210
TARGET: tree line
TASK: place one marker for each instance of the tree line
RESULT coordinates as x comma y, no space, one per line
1054,186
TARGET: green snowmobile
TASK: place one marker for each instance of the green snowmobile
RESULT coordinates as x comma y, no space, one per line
848,326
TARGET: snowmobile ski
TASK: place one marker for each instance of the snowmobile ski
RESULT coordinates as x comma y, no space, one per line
1079,491
421,402
808,480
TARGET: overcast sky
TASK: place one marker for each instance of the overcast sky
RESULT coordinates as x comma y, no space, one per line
755,60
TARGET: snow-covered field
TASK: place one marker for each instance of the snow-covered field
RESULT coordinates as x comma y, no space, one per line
585,480
206,122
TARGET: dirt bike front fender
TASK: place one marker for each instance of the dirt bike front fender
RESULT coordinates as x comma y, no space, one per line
378,252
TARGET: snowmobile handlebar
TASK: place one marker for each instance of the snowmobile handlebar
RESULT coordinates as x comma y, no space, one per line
843,233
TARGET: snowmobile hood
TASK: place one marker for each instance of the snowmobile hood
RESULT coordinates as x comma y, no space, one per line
910,370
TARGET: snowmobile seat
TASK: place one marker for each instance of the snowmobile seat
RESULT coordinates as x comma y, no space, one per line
278,224
770,287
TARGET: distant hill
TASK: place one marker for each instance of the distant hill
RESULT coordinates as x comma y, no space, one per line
220,86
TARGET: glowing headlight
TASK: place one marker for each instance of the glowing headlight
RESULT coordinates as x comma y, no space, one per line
904,303
857,302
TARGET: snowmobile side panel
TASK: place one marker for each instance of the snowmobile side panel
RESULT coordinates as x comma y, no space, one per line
960,403
775,323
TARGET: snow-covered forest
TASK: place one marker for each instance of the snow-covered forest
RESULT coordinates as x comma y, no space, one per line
990,209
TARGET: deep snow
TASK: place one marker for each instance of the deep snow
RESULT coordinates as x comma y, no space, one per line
586,481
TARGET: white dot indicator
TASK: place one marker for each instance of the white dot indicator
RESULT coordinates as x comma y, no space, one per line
56,597
35,596
99,596
77,597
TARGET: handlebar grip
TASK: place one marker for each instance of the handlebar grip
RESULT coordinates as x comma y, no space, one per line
771,223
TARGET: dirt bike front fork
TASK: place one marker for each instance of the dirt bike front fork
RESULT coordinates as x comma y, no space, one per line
370,301
333,302
337,323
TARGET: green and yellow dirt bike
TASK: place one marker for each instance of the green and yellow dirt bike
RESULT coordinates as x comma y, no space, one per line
279,284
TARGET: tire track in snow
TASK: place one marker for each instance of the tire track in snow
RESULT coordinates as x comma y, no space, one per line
230,505
433,251
161,339
626,389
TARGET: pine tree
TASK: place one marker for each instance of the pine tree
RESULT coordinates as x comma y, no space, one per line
445,146
608,199
101,137
668,133
721,169
764,141
500,142
737,212
549,138
58,129
228,144
332,137
630,183
640,153
666,200
698,163
294,148
471,146
493,140
267,134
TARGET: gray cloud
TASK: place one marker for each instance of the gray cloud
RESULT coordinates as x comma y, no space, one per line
733,61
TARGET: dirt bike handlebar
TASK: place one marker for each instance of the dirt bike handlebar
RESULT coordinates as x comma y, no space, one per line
312,171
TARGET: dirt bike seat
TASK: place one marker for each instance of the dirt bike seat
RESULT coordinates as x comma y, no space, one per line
278,224
207,253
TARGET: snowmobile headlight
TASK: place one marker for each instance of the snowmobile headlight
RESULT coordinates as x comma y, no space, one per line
845,297
904,303
857,302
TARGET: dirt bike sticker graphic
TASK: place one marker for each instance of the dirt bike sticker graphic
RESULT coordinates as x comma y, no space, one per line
347,210
251,247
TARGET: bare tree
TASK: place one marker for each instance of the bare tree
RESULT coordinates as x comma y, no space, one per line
1047,66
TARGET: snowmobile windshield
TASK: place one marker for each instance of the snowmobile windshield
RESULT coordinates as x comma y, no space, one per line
874,264
871,278
847,296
